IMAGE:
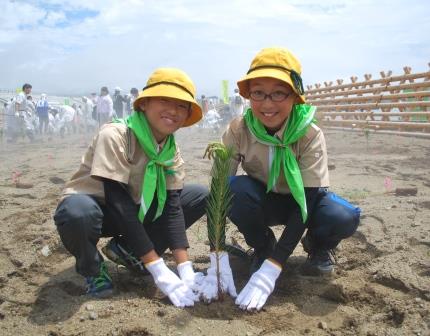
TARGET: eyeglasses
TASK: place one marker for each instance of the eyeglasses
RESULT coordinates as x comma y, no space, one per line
277,96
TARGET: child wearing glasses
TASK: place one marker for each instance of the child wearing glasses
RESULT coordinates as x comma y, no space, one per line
284,155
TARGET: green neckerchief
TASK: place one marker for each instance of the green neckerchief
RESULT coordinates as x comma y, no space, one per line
154,179
297,125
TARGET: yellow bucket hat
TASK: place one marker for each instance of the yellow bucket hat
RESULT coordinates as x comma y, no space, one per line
171,83
277,63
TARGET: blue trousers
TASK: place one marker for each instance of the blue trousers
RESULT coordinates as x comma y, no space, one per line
253,211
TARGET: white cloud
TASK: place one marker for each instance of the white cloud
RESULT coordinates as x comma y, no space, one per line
54,18
78,46
15,14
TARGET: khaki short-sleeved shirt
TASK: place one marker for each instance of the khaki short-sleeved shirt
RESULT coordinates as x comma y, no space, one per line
107,157
256,158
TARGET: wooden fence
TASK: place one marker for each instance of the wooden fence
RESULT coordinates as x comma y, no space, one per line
391,104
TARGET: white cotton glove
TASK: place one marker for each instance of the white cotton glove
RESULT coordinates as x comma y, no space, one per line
169,283
190,278
259,287
209,289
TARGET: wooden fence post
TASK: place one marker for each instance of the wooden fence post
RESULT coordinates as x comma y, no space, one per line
388,104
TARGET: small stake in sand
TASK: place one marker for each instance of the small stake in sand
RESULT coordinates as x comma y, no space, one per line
15,180
367,135
50,157
388,184
15,177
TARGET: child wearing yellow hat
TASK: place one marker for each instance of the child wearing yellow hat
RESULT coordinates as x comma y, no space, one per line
284,156
130,186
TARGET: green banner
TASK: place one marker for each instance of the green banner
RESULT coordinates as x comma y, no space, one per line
224,90
66,101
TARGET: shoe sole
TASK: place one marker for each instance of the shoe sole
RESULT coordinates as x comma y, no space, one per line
112,256
101,295
115,258
305,245
315,271
237,251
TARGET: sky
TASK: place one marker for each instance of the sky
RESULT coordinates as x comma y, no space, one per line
74,47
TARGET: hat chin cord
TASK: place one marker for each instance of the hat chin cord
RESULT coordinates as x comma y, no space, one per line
294,75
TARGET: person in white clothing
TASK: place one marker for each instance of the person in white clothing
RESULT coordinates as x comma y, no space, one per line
211,119
30,120
15,123
65,120
104,107
87,111
237,104
21,101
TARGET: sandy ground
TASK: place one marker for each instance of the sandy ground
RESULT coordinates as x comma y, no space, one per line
381,285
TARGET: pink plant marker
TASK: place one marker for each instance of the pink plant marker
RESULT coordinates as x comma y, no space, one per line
50,157
388,184
15,176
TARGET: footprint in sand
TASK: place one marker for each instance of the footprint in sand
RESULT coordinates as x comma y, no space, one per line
56,180
23,185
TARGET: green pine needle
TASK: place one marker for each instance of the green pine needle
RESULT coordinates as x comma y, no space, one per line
219,199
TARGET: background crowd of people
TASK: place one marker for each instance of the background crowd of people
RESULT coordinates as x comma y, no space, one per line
24,116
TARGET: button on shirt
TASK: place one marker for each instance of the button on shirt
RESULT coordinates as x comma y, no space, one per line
256,158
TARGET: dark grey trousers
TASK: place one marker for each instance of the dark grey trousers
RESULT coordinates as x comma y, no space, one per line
81,221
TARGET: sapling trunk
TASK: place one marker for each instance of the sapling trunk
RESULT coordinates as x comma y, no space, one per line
219,201
367,135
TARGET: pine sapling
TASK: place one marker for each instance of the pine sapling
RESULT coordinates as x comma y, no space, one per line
219,201
367,135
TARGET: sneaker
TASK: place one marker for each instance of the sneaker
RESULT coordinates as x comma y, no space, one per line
120,255
262,254
100,285
320,261
235,249
307,244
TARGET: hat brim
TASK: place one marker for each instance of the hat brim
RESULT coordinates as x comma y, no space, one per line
267,72
171,91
